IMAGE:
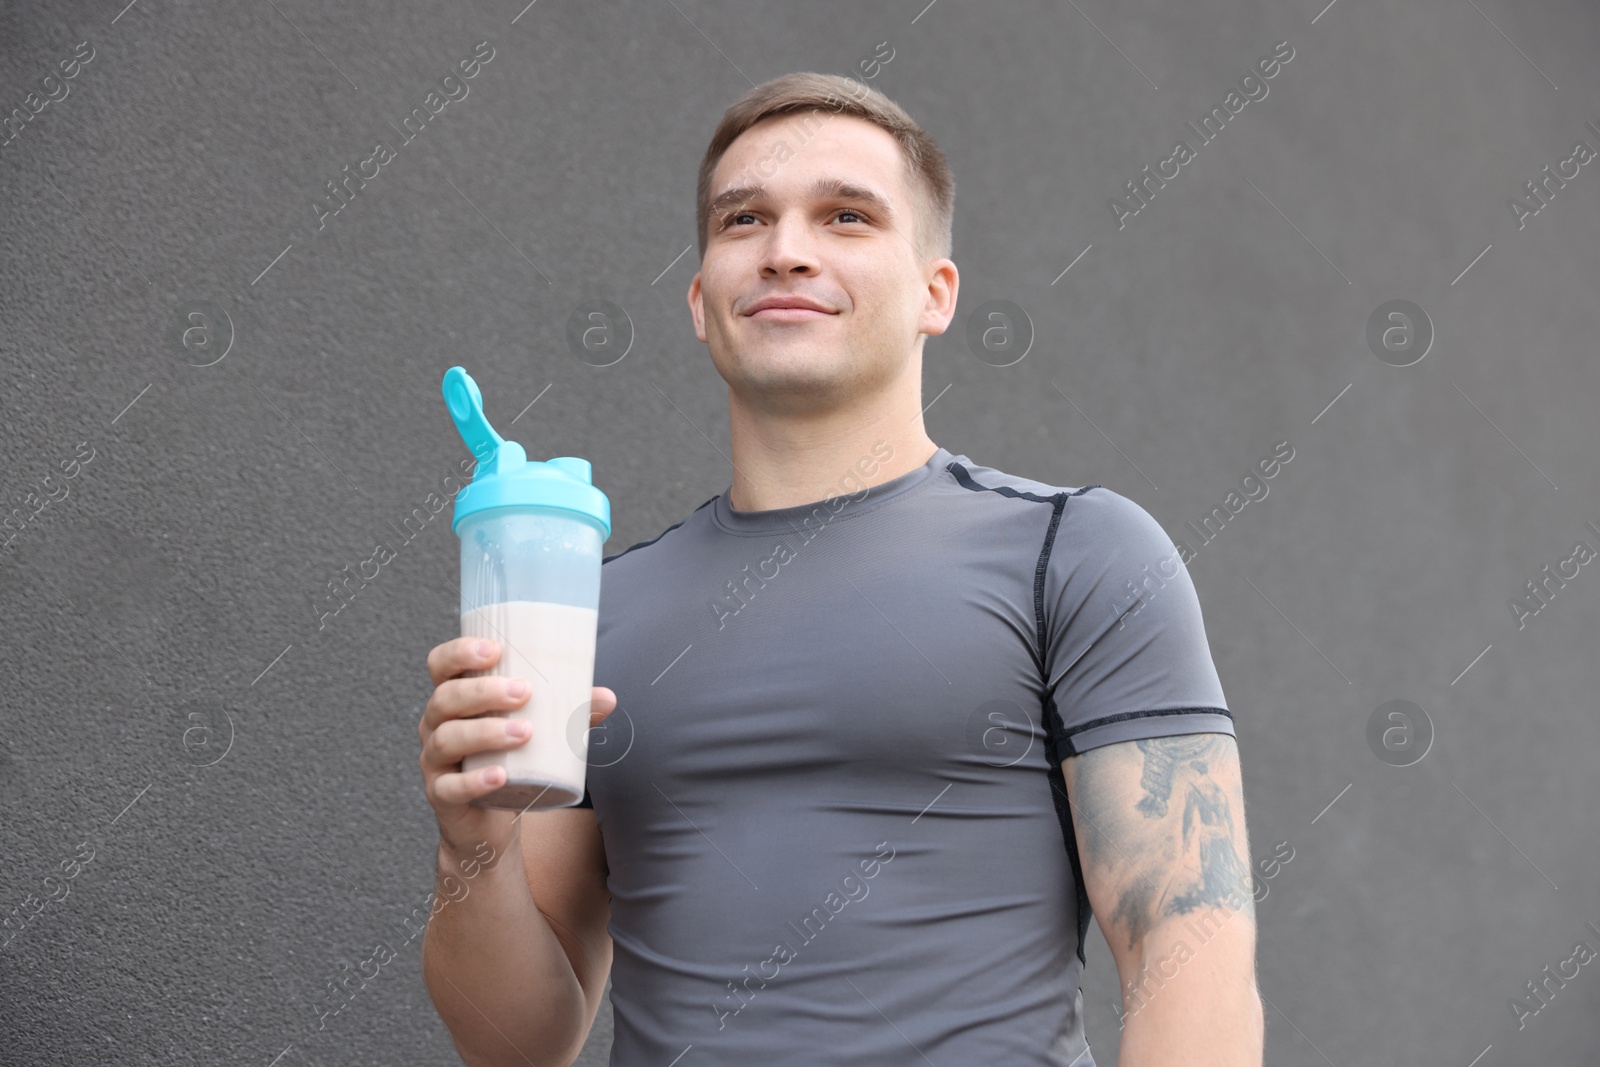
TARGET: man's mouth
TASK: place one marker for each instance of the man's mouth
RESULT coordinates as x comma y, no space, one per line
789,314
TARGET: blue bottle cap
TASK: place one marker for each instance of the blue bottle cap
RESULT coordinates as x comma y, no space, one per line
505,477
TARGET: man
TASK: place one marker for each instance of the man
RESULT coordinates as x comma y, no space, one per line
896,722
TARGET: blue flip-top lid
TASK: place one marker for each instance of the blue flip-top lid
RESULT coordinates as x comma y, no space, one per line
505,477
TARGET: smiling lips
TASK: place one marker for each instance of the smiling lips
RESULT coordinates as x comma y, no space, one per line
789,314
788,309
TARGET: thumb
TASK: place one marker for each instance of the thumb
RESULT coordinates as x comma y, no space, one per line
602,703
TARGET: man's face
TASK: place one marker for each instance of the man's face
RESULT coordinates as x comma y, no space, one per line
838,247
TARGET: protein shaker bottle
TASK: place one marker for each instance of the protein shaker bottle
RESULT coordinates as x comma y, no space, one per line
530,579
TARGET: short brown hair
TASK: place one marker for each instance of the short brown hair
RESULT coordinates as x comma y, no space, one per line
929,172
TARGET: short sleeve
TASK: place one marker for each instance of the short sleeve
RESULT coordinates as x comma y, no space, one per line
1126,650
585,802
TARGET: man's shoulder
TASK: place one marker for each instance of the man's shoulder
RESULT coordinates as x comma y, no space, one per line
979,478
1094,514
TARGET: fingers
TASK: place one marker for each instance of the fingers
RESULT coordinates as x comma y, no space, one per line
602,703
453,741
458,698
451,658
458,787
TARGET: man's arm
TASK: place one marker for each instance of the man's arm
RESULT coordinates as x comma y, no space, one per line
516,959
1166,864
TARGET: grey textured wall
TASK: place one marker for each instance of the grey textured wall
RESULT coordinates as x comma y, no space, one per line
212,807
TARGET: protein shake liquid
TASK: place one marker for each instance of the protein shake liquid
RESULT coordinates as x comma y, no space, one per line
531,535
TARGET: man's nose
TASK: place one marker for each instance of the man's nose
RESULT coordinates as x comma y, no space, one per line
790,248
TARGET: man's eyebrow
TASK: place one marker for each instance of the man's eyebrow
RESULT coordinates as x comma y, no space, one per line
829,188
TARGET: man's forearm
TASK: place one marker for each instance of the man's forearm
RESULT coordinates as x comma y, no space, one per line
496,972
1220,1027
1199,1005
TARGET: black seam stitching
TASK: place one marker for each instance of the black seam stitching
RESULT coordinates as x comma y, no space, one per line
1059,500
657,537
1055,738
1039,571
965,479
1122,716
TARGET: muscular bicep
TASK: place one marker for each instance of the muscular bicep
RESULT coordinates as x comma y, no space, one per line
1161,835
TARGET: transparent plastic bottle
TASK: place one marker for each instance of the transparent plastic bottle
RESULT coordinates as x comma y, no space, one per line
531,536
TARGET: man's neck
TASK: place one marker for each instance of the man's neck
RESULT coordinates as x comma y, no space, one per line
784,463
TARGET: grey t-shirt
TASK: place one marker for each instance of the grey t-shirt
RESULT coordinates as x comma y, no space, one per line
831,797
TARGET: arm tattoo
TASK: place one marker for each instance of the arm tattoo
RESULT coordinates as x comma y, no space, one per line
1161,757
1175,846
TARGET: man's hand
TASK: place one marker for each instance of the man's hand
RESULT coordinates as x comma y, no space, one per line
455,724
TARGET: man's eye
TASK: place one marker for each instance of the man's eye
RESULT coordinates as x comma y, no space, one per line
729,219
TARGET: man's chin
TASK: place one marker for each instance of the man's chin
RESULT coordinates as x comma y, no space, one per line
792,386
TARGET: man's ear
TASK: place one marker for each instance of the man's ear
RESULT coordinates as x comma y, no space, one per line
697,307
943,287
